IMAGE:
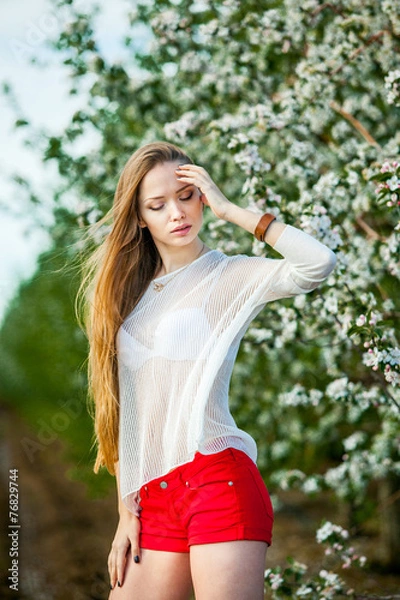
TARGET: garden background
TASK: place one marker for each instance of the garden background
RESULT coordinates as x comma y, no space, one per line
293,108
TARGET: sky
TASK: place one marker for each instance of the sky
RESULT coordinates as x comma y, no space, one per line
25,25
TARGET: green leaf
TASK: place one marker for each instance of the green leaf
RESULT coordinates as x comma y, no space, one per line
21,123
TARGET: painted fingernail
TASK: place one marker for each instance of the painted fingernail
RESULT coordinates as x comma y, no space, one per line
119,585
111,587
136,559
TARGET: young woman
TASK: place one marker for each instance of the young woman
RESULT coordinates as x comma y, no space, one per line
166,318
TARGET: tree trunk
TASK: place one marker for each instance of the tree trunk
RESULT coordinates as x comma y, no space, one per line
389,515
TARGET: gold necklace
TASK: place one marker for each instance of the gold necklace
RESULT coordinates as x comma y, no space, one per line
158,287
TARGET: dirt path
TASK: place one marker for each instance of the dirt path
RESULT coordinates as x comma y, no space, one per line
65,536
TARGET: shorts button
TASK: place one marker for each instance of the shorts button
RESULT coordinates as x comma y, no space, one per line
163,485
230,482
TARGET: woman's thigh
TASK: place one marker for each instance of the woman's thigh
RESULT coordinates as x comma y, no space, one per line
228,570
158,576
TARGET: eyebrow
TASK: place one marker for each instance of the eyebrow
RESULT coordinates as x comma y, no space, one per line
177,192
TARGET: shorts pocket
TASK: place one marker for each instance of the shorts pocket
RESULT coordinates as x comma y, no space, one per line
220,471
214,503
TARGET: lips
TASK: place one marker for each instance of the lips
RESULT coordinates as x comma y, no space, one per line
185,228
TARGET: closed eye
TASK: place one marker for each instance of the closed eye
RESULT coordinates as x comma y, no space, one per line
187,197
182,198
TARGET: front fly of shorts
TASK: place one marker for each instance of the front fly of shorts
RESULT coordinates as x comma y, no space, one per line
214,498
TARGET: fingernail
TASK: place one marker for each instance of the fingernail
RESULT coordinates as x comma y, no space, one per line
111,587
119,585
136,559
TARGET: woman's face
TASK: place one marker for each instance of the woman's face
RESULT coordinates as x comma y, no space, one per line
172,210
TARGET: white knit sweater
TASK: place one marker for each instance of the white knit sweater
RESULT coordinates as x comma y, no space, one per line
177,348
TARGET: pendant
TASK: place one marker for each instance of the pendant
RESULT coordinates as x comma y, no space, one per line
158,286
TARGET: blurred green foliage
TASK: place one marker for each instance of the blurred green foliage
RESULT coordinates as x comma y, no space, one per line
42,358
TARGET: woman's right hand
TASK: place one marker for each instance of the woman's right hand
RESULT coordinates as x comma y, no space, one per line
126,537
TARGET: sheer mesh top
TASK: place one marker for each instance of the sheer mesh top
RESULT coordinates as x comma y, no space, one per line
177,348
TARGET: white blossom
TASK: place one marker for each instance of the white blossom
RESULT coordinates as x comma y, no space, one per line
354,440
303,591
392,84
328,529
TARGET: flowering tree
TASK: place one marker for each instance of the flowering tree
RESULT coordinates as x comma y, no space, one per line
293,108
298,100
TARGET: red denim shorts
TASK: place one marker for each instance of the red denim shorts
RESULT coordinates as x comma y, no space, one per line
214,498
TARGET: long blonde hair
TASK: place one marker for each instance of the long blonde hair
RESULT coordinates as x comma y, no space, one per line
116,276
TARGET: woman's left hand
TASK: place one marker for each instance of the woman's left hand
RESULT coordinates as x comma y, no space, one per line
211,195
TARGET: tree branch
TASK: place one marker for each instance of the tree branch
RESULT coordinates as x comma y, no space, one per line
358,51
326,5
371,233
355,122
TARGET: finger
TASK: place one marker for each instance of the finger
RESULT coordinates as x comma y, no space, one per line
134,541
135,549
189,180
191,170
183,169
121,563
190,167
185,173
187,177
112,569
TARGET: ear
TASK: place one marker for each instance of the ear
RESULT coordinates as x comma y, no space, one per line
201,195
141,223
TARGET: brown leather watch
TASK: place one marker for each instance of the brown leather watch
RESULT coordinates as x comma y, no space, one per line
263,225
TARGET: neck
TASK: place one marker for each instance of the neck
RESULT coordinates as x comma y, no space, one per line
176,258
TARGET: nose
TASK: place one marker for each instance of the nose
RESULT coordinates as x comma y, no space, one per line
176,210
